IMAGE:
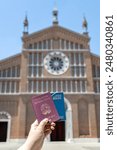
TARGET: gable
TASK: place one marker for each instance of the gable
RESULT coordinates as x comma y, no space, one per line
55,33
10,61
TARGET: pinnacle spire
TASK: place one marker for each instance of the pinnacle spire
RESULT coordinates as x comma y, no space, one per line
85,26
26,24
55,15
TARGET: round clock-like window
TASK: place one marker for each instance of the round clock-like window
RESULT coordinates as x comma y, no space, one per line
56,63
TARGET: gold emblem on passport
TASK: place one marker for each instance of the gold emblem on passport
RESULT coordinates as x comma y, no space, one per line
45,109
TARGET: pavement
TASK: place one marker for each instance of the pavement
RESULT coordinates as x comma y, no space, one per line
55,145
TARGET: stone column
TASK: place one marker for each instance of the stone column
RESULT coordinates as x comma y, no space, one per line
0,87
71,82
87,58
24,68
75,120
51,43
92,118
21,127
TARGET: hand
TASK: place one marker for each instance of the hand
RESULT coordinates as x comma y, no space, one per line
37,134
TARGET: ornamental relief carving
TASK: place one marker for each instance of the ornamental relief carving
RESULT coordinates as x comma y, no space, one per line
10,64
52,33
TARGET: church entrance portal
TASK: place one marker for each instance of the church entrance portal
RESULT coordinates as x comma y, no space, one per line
63,129
59,133
5,121
3,131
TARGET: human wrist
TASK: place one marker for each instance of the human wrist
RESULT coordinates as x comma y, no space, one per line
25,147
28,145
32,145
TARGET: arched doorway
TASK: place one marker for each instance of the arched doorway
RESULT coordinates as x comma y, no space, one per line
69,128
5,122
63,130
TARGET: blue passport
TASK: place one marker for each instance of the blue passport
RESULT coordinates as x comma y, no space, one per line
58,98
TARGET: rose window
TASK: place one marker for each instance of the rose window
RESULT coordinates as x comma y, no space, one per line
56,63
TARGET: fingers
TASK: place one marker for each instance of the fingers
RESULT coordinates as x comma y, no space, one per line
48,132
52,127
53,124
50,124
43,123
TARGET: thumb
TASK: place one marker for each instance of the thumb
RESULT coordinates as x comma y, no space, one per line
43,123
35,123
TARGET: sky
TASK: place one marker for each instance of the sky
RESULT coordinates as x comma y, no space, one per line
39,12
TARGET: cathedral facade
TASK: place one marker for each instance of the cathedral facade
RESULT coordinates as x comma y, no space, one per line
53,59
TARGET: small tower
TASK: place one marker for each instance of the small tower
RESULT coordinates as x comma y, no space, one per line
25,32
55,16
85,26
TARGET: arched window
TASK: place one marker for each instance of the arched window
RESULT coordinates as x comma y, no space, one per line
9,72
40,45
0,73
98,71
94,70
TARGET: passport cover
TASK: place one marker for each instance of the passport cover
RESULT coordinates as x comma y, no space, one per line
58,98
44,107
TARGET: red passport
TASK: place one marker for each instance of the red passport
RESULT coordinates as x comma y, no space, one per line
44,107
